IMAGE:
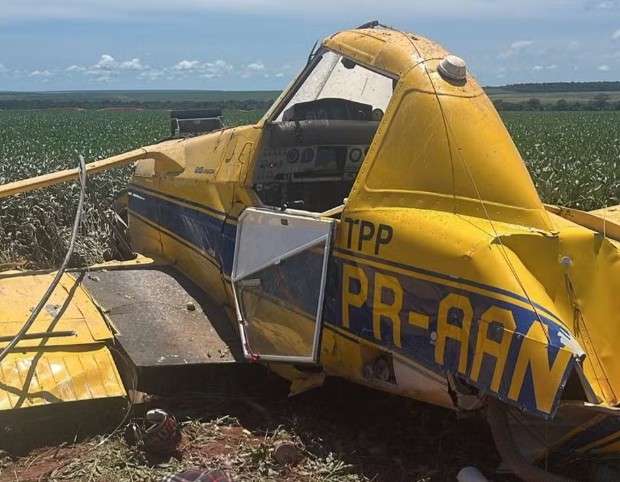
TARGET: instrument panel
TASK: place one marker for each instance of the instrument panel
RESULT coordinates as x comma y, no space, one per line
305,163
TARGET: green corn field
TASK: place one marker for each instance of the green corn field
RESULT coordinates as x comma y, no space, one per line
574,158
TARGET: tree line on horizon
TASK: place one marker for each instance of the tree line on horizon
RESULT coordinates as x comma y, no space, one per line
542,87
49,103
600,102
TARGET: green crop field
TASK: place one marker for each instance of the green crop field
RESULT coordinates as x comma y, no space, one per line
574,158
124,96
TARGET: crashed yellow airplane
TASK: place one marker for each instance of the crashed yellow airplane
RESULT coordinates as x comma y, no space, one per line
378,224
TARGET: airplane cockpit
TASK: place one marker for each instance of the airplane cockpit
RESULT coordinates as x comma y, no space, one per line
317,137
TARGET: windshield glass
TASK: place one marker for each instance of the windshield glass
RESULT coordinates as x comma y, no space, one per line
362,93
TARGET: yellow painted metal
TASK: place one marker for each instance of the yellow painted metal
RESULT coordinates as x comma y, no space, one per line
443,172
428,154
51,370
42,376
169,157
605,221
610,214
216,166
45,180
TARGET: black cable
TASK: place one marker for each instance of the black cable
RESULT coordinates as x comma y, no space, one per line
35,312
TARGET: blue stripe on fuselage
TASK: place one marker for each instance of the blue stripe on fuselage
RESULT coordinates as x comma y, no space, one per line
207,232
210,233
422,297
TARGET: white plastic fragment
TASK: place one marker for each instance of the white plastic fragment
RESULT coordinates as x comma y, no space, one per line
470,474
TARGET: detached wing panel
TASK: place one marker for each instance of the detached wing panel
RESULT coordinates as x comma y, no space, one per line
72,364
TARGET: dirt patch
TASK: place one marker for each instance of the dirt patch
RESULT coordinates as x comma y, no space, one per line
345,433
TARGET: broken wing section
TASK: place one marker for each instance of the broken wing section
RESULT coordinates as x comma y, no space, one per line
610,214
64,357
605,221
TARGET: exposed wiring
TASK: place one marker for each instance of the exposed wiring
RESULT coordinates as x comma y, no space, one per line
46,296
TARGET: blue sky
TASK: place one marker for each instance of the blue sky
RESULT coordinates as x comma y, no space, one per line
261,44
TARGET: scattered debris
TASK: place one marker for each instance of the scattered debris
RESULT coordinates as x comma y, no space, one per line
287,453
197,475
238,435
158,433
162,435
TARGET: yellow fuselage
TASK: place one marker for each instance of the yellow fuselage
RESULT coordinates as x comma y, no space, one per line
471,247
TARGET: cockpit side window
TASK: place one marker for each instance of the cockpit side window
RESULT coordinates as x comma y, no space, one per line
318,138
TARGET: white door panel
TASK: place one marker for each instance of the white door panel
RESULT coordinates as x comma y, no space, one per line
278,278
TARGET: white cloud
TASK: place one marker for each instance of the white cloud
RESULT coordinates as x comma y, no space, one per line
208,70
40,73
187,65
520,44
538,68
152,74
604,68
219,67
106,62
212,70
516,48
133,64
108,67
616,35
606,5
256,66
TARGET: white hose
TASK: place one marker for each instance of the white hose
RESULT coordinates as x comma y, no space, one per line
35,312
